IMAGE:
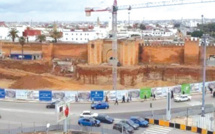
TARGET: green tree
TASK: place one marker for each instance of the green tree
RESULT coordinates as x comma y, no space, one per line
56,35
41,38
22,43
197,34
13,34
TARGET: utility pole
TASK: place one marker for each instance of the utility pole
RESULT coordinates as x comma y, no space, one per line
203,71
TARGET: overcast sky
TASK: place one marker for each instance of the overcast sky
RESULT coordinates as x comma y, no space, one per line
73,10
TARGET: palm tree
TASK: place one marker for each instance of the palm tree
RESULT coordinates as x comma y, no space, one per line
41,38
22,42
13,34
55,35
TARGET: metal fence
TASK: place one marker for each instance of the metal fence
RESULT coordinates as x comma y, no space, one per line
59,127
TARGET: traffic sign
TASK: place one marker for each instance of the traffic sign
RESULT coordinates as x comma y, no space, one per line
97,95
62,110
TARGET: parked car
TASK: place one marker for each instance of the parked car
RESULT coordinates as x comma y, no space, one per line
52,105
88,114
140,121
131,123
104,118
89,122
100,105
123,127
182,98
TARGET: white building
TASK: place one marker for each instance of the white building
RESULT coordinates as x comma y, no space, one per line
80,36
4,31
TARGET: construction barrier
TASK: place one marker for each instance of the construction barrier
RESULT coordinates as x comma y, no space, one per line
100,95
179,126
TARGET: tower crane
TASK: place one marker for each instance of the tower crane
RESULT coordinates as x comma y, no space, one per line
114,8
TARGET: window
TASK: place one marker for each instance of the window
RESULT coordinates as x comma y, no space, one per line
66,33
66,38
76,38
92,45
81,39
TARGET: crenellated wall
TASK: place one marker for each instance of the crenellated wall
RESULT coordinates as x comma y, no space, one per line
191,51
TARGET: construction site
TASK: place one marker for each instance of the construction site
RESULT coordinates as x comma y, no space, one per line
89,66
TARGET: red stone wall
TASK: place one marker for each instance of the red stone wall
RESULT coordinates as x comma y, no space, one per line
191,52
77,51
163,54
131,76
50,51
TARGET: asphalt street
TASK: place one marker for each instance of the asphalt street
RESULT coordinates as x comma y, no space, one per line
35,114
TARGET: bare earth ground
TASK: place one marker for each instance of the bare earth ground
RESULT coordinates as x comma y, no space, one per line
19,76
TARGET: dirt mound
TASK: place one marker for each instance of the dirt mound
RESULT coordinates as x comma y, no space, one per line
38,67
32,82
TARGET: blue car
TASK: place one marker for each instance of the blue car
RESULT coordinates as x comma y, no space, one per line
140,121
89,122
100,105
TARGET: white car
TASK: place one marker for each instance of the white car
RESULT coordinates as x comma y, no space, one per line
88,114
181,98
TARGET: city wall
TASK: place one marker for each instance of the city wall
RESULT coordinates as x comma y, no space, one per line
163,54
49,51
131,76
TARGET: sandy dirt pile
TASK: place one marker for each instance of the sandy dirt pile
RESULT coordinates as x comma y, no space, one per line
31,82
36,75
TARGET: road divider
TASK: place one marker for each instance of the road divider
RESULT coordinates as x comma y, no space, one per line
179,126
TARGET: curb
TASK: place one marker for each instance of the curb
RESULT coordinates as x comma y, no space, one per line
179,126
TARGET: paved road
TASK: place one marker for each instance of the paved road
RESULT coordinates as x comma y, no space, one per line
35,114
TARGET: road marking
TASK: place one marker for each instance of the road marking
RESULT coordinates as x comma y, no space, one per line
154,129
194,103
26,111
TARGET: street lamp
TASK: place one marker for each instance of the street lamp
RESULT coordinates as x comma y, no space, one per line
203,71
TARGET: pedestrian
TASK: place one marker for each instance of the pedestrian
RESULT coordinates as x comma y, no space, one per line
130,96
127,99
172,95
211,90
154,96
116,102
76,99
123,99
145,97
183,92
106,99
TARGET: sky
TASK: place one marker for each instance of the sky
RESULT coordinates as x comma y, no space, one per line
73,10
